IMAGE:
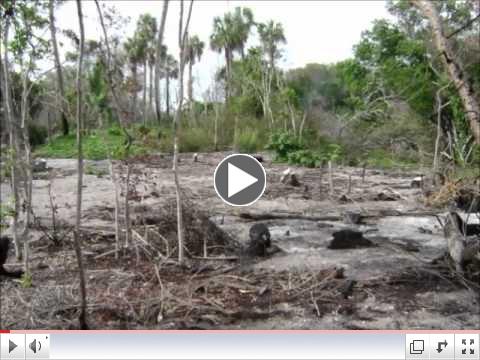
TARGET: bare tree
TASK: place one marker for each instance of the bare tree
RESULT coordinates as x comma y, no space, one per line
158,59
13,138
78,249
453,66
28,182
182,42
113,90
58,67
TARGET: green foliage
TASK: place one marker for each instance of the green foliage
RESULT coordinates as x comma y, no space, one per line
249,141
97,97
307,158
37,134
379,158
6,211
194,139
26,281
309,154
283,143
96,146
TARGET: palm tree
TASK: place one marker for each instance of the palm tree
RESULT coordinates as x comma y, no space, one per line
146,32
223,39
170,72
230,34
243,18
194,52
271,35
135,54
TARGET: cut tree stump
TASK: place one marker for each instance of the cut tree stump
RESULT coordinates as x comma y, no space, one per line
349,239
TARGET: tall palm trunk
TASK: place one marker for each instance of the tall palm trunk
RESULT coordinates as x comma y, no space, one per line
78,217
228,68
453,66
158,59
150,89
190,91
182,37
145,93
167,93
58,68
135,92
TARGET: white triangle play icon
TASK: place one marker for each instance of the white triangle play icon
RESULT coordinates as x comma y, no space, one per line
238,180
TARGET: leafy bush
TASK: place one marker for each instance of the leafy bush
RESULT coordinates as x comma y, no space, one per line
307,158
289,148
283,143
38,134
115,131
194,139
249,141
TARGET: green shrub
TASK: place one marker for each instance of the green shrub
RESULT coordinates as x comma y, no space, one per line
283,143
115,131
37,134
194,140
307,158
249,141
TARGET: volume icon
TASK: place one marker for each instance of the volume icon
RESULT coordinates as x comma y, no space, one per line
35,346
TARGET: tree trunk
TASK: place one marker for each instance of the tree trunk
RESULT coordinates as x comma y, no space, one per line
78,217
453,66
150,89
58,67
13,140
145,93
135,92
190,92
227,73
167,94
128,232
158,59
182,35
117,209
28,168
111,82
215,135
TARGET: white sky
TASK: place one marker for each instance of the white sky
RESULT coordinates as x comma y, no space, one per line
316,31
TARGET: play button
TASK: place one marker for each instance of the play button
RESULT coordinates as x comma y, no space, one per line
11,346
239,180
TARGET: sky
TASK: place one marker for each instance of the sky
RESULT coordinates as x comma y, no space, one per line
316,31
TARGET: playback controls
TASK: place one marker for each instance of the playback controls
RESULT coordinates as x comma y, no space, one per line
25,346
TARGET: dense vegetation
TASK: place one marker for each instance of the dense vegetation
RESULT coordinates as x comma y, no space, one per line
381,107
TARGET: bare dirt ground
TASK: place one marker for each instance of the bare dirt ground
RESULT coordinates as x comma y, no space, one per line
401,282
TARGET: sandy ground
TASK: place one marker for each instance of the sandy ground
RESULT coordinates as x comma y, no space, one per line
393,285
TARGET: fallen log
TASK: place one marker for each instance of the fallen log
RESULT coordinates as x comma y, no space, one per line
276,216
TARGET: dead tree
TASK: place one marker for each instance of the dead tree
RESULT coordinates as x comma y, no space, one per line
158,59
78,217
182,42
117,209
28,181
453,66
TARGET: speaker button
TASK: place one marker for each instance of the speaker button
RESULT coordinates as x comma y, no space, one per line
12,346
37,346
